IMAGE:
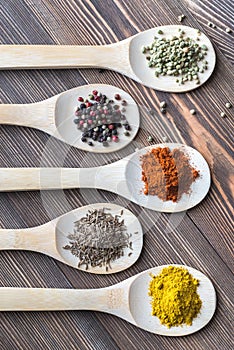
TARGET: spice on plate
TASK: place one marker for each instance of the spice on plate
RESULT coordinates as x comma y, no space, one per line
167,174
99,238
99,118
175,300
178,56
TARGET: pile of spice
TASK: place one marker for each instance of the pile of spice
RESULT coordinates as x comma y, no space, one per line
167,174
175,300
178,56
99,118
99,238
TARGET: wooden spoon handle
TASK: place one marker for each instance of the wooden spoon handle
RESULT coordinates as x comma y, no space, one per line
38,239
25,179
42,299
62,56
33,115
13,239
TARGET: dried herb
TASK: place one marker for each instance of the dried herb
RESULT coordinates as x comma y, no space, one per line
167,174
99,238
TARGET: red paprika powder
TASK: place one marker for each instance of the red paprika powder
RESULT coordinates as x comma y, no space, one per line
167,174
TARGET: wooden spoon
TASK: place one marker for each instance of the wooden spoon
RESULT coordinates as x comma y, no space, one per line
55,116
51,237
128,300
122,177
124,57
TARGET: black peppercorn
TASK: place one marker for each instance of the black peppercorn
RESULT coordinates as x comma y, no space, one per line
127,127
82,106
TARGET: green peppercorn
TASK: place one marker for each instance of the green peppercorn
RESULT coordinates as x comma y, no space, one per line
177,57
163,104
180,18
150,138
192,111
204,47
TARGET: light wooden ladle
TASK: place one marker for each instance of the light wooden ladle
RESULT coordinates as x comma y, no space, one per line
128,300
124,57
55,116
51,237
122,177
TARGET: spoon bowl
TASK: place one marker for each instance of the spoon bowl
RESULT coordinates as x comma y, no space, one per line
128,300
146,75
138,296
199,188
122,177
50,238
124,57
55,116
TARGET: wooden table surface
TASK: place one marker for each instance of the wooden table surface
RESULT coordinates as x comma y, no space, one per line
201,238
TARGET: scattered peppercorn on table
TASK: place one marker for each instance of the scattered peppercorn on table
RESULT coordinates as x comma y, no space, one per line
202,118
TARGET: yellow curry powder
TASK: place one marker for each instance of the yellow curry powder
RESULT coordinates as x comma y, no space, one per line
174,296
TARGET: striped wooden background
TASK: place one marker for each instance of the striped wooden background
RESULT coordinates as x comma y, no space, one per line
201,238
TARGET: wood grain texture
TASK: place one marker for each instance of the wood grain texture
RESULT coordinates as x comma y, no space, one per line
201,238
